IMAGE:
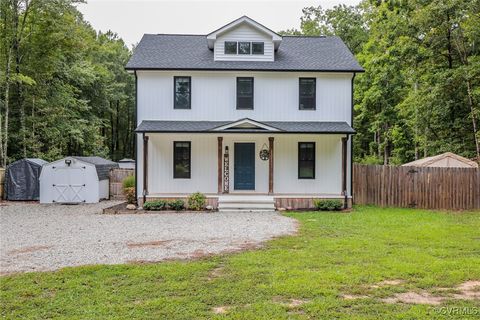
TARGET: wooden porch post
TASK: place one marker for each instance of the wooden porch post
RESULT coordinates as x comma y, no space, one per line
219,164
145,167
344,166
270,165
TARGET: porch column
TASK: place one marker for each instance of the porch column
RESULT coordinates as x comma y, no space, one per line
145,167
219,164
344,166
270,165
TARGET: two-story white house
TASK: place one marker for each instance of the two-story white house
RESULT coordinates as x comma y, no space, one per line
248,117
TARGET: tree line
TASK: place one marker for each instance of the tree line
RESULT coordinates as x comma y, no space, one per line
420,93
64,90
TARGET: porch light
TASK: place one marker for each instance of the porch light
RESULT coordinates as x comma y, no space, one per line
226,150
68,162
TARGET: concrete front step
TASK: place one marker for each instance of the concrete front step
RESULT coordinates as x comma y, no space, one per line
246,203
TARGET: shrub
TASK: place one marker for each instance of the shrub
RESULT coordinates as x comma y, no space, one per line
128,182
155,205
176,205
196,201
328,204
129,189
130,195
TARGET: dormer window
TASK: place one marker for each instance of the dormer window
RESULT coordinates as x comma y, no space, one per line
257,47
230,47
244,47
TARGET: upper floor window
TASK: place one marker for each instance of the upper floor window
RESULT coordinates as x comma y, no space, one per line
230,47
244,47
181,159
306,160
244,93
257,47
307,93
182,92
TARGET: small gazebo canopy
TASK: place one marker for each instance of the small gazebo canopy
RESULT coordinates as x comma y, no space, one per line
445,160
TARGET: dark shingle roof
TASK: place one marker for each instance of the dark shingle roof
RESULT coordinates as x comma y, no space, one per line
190,52
102,165
209,126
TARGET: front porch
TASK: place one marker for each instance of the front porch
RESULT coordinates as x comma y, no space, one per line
245,161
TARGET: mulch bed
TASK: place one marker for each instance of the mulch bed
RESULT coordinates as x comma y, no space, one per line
122,209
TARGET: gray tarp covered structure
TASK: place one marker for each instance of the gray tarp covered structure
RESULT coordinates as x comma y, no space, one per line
22,179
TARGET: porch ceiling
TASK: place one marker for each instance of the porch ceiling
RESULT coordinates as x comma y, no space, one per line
320,127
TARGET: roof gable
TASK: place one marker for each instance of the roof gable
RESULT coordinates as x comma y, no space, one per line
246,124
211,37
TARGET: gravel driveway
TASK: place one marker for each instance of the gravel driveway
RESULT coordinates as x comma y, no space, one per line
36,237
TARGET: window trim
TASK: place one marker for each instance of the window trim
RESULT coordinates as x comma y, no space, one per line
189,92
225,47
314,94
253,93
314,159
263,48
189,159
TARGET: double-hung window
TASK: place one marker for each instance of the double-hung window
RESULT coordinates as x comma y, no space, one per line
245,93
182,87
307,93
182,159
306,160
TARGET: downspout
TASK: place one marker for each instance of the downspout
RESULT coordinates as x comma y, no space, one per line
351,140
135,136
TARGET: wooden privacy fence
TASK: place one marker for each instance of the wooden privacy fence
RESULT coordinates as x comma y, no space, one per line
417,187
116,177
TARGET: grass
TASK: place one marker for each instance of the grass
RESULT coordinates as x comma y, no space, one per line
333,254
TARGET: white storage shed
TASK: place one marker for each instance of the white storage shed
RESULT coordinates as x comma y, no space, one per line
75,180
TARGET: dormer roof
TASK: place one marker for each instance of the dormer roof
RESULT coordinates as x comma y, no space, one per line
211,37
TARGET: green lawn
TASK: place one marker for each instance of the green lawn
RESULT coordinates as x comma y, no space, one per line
333,254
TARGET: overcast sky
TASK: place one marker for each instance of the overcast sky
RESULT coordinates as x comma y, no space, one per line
130,19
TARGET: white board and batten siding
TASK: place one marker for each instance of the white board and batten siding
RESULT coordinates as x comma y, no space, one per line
246,33
213,96
204,164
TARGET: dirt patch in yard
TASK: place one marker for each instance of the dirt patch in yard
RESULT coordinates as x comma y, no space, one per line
469,290
387,283
415,298
353,296
290,303
158,243
29,249
221,310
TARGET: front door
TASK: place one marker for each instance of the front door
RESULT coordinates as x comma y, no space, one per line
244,166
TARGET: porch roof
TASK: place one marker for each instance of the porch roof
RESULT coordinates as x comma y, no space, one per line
170,126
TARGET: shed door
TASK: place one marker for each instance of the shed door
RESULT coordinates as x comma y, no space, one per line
69,184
